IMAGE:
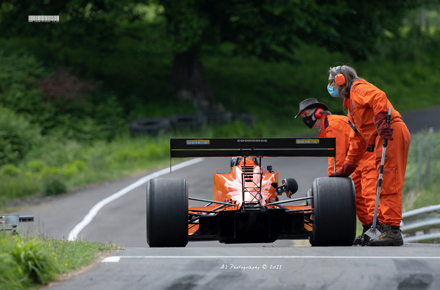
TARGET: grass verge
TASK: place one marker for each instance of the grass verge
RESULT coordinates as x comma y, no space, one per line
29,262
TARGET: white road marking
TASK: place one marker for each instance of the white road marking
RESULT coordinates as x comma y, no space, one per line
118,258
97,207
111,260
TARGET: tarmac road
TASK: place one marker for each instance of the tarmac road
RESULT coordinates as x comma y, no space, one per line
123,221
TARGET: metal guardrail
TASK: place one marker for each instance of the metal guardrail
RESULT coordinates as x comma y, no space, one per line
10,222
421,225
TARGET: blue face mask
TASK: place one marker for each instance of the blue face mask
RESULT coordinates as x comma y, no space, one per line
334,93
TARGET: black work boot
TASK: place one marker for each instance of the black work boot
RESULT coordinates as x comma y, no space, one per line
359,240
391,236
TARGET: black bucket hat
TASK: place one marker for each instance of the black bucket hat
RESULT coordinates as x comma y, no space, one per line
310,103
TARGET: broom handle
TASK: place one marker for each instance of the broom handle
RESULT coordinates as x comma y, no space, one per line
382,162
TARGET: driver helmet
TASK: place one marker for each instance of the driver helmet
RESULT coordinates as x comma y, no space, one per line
235,161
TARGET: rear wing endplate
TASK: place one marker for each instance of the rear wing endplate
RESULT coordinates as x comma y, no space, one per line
258,147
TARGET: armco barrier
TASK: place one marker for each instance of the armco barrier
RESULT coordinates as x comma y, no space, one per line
422,225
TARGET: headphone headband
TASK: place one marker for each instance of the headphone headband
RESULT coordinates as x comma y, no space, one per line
338,70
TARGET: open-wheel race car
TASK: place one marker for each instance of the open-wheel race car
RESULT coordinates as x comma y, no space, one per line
245,207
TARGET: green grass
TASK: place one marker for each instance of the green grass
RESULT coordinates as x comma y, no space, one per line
28,262
78,164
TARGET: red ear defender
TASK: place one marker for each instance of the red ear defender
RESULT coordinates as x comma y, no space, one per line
339,78
318,113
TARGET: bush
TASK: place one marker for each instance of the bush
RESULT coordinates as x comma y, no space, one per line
73,168
35,261
53,185
60,102
9,169
36,166
28,262
17,136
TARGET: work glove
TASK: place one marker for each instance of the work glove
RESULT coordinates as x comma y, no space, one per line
383,129
345,171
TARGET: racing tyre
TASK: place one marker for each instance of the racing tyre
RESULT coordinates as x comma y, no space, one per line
246,119
334,206
167,212
192,122
149,126
216,117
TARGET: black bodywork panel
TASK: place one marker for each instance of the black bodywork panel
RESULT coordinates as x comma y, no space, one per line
252,226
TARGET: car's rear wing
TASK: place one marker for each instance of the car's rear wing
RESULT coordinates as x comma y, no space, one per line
258,147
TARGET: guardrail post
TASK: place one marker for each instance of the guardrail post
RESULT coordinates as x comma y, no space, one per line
428,156
419,174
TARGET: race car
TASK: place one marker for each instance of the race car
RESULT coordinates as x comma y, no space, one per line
245,207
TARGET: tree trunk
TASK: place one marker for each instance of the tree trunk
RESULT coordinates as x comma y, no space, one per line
189,82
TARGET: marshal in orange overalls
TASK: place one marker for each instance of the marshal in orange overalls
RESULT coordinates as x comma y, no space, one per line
364,177
365,101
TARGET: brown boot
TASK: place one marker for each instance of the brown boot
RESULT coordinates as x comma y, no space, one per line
391,236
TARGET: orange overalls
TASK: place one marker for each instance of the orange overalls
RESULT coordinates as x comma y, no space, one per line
365,101
364,177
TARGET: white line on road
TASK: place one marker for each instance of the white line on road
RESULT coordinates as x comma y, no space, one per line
97,207
118,258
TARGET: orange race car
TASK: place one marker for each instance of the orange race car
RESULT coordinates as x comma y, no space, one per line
245,207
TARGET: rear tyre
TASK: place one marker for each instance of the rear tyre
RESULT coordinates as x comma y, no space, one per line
334,205
167,212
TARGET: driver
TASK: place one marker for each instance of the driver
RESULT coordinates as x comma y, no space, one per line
316,115
235,161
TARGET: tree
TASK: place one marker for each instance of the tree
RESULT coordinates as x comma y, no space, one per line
358,25
82,22
266,29
269,30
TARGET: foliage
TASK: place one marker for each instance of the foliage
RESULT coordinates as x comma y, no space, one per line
9,169
35,261
25,263
269,91
86,141
60,104
28,262
413,44
17,137
11,275
422,176
357,25
82,22
53,185
15,187
268,30
257,28
275,29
